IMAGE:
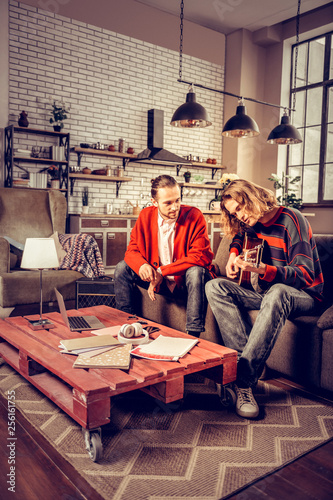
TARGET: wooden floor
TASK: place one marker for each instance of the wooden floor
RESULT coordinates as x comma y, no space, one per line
41,472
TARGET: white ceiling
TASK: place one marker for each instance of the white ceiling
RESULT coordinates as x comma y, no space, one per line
226,16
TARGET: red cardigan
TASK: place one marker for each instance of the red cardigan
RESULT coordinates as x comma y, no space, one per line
191,246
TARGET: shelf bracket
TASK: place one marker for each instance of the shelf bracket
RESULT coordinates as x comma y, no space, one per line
181,192
72,181
214,170
118,184
125,162
178,167
217,191
79,156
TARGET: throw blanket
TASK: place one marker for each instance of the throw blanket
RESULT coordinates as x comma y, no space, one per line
82,254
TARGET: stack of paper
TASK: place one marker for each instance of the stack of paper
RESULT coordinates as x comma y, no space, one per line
165,348
103,351
77,346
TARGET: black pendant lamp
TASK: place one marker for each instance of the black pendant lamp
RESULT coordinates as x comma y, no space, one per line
285,133
240,125
191,114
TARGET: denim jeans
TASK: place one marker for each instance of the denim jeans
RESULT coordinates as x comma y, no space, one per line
230,303
195,279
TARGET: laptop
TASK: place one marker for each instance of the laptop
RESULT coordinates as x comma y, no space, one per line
77,323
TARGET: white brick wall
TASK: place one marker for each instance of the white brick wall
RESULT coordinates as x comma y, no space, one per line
110,81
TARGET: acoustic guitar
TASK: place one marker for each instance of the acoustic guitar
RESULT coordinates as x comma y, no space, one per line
252,252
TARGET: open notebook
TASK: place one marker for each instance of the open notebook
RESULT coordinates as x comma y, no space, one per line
77,323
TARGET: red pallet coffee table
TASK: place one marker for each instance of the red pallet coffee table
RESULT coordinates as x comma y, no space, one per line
85,394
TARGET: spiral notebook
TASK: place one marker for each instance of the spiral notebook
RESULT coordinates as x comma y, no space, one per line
165,348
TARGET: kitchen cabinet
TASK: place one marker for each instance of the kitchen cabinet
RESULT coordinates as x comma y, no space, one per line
12,160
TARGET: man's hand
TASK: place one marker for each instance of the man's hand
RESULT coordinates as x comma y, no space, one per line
231,267
240,263
147,272
155,286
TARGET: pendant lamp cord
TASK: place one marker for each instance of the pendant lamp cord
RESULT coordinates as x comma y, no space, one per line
181,39
296,52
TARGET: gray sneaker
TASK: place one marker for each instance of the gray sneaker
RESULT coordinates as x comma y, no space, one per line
246,405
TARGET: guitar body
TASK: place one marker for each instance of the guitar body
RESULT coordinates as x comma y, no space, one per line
252,252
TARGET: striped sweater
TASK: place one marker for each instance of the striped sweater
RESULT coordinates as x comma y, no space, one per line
290,252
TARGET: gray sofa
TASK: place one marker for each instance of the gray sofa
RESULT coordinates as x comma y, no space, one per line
304,349
34,213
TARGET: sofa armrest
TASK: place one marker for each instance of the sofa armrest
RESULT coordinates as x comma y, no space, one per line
4,256
326,319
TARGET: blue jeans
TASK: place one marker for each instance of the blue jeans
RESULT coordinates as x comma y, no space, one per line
195,279
230,303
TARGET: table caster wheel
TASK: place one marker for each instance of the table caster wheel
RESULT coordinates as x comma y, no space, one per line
93,443
228,398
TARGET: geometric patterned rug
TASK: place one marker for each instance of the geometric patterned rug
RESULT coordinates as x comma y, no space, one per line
198,450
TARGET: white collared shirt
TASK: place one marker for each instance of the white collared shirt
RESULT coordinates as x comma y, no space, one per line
166,239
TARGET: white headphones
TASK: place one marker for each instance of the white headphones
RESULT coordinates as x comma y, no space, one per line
127,332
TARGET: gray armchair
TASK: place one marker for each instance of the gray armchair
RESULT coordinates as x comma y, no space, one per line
33,213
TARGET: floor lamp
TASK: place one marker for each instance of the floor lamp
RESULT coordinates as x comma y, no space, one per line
40,253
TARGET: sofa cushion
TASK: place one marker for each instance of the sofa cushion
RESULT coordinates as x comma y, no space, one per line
325,251
326,319
222,256
22,287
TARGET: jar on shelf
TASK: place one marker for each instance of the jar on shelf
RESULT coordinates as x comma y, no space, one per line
121,145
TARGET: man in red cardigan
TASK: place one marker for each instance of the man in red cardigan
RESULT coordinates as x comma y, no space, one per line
169,252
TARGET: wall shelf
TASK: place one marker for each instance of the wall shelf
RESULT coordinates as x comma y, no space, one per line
102,152
217,187
201,164
92,177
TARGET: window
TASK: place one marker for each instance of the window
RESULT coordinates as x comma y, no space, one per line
312,90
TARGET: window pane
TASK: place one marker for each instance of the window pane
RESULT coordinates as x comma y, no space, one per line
331,60
316,61
330,104
310,184
311,145
301,65
297,187
314,106
329,143
328,182
298,116
296,153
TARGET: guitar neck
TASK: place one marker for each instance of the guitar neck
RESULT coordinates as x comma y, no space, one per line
252,252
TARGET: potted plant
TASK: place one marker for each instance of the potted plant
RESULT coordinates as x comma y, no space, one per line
53,170
59,113
187,176
288,198
85,200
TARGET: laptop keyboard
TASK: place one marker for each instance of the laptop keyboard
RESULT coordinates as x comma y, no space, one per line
78,322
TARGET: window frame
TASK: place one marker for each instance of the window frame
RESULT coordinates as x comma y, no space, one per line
325,83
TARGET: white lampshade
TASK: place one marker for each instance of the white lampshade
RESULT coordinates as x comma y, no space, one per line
39,253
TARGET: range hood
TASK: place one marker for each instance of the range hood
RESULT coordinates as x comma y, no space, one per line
155,153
